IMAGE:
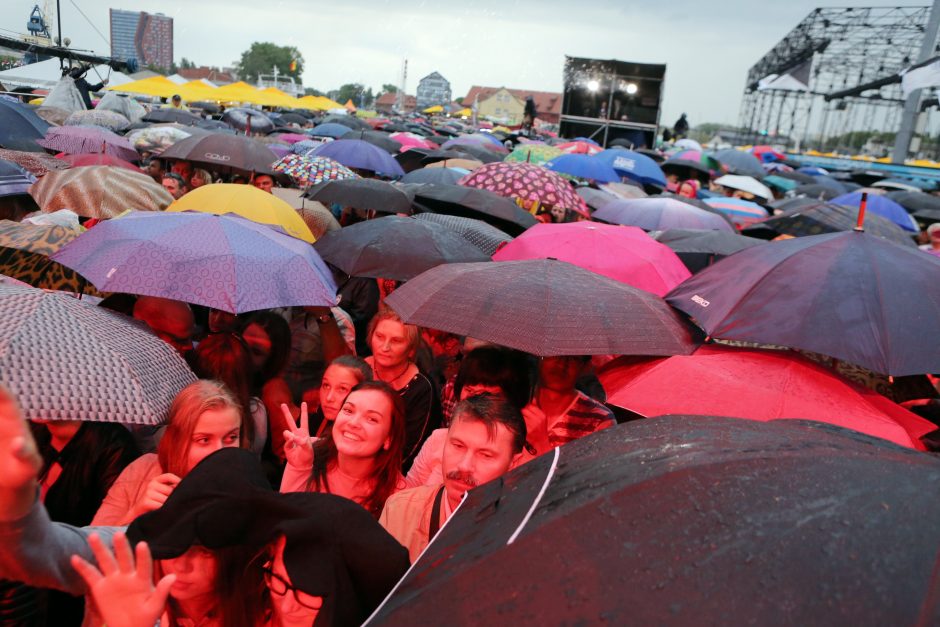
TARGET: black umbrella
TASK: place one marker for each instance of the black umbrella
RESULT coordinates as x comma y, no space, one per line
690,520
916,201
740,162
20,127
368,194
376,138
352,122
394,247
169,114
223,152
825,217
439,176
291,118
244,119
430,155
800,177
484,236
470,202
786,204
595,198
850,295
928,215
477,152
699,249
695,202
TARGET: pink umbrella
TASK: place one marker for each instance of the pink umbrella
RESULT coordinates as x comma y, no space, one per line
623,253
579,148
77,140
410,140
291,138
529,185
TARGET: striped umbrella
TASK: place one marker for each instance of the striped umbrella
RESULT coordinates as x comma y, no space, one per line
78,140
742,212
99,192
14,179
529,185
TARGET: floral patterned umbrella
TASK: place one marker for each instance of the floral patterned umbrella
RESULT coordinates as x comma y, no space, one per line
308,171
529,185
98,117
76,140
536,154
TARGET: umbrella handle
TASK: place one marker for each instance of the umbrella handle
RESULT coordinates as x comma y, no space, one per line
860,225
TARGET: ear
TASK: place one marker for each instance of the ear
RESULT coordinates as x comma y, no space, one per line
387,445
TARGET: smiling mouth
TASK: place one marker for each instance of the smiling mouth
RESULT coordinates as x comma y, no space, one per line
351,437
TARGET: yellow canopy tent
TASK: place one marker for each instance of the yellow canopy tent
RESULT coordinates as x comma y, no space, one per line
313,103
280,98
330,104
194,91
154,86
239,92
434,109
465,113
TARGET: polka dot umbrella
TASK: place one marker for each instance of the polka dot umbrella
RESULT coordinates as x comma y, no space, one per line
529,185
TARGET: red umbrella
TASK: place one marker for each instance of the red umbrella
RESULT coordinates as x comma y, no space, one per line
579,148
756,385
527,184
623,253
78,161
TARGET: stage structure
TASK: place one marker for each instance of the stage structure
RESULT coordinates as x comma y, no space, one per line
836,72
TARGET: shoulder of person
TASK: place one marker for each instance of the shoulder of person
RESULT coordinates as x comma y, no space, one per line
412,496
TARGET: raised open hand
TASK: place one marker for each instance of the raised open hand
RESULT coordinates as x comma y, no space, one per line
297,445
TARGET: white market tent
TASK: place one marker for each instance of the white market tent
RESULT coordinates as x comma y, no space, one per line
45,75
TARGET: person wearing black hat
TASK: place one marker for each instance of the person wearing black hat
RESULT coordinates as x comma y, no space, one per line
77,74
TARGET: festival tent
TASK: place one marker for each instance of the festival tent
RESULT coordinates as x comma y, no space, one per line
46,74
154,86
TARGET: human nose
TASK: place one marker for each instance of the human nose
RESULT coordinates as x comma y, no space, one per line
465,463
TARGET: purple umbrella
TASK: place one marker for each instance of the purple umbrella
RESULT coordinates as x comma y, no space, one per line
361,155
223,262
14,179
78,140
659,214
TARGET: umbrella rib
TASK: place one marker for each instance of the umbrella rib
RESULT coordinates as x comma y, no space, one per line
538,498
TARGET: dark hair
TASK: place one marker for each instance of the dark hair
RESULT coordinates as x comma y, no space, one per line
224,356
493,411
279,333
176,177
499,366
386,473
356,364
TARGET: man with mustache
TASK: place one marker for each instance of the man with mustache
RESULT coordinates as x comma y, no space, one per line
486,435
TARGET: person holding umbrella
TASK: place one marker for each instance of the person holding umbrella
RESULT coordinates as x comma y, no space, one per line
77,74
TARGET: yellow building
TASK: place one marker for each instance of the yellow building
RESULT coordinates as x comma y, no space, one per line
502,106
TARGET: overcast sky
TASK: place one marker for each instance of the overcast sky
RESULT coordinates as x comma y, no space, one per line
707,46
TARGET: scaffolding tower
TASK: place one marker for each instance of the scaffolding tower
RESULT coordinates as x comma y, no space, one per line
831,75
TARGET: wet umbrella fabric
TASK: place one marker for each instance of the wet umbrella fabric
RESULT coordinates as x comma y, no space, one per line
658,214
443,176
470,202
528,184
309,171
700,248
482,235
915,201
542,307
330,129
14,179
377,139
361,155
881,205
536,154
223,262
851,296
741,212
110,120
80,161
634,165
20,127
99,192
82,140
248,120
169,114
740,162
115,368
757,385
217,151
367,194
395,247
622,253
584,167
24,254
36,163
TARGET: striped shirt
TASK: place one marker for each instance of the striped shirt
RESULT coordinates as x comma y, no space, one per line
583,417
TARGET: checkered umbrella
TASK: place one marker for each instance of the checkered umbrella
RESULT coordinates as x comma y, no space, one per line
308,171
99,191
110,120
528,184
65,359
76,140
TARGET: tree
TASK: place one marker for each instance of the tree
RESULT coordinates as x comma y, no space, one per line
263,57
310,91
388,88
186,64
356,92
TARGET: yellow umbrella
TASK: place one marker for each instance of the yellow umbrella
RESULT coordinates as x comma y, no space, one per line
247,202
154,86
434,109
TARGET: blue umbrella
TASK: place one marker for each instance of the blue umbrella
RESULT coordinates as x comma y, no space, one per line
634,165
883,206
584,167
446,176
359,154
14,179
20,127
329,129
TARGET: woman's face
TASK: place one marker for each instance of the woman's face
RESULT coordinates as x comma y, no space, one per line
292,607
259,345
363,424
215,429
196,181
390,344
195,572
337,381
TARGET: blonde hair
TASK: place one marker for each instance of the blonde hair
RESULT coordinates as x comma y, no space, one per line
192,401
412,332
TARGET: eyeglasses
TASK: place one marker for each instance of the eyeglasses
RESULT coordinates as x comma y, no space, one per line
280,586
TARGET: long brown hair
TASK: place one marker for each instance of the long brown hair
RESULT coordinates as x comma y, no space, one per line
224,357
386,473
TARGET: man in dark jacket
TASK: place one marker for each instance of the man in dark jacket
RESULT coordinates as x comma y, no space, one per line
77,74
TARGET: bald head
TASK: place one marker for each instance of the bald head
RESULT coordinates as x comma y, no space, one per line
171,320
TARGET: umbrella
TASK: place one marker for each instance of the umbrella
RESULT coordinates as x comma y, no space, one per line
361,155
377,139
595,198
65,359
308,171
849,295
469,165
475,152
14,179
756,385
110,120
818,217
584,167
354,123
634,165
536,154
223,262
690,520
407,141
394,247
658,214
692,159
366,194
330,129
470,202
248,120
444,176
881,205
544,307
99,192
290,138
169,114
580,147
159,138
745,184
223,152
318,218
915,201
816,191
530,185
305,146
24,255
484,236
740,162
87,159
480,141
36,163
779,182
688,144
82,140
767,153
625,191
622,253
741,212
20,127
248,202
699,249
